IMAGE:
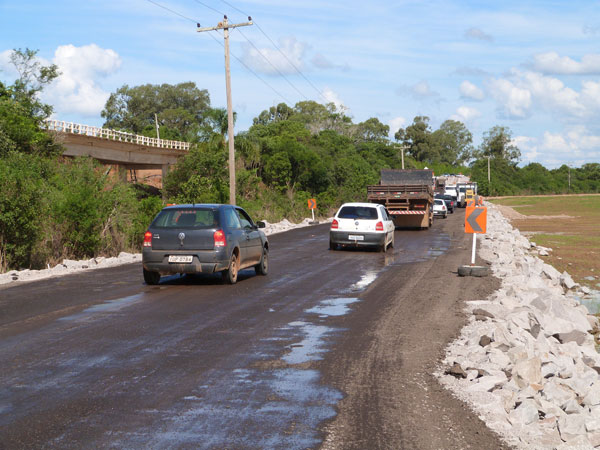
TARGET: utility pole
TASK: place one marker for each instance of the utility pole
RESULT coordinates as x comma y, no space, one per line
225,27
157,133
403,157
488,170
402,153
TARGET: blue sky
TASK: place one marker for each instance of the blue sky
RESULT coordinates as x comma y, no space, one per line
533,66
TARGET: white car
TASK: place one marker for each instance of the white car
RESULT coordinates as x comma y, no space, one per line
362,225
439,208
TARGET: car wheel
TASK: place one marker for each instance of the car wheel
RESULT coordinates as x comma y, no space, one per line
332,246
262,268
382,248
151,278
230,275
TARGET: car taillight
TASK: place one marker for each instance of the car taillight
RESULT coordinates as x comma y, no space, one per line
219,238
379,226
147,239
334,224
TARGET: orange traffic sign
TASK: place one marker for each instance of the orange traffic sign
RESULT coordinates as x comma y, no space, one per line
312,203
476,219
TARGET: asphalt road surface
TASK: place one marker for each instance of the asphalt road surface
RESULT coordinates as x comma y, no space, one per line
332,349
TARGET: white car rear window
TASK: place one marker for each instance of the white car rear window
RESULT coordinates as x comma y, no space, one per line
358,212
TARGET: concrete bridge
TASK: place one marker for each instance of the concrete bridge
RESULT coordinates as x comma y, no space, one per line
126,150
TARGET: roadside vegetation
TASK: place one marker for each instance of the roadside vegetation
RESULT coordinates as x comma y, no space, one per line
52,208
568,225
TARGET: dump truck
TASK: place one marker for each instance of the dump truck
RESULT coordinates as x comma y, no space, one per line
407,196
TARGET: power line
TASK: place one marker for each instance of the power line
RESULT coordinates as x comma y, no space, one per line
172,11
272,65
279,50
221,44
210,7
252,71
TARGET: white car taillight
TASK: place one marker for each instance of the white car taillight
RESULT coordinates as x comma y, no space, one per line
147,239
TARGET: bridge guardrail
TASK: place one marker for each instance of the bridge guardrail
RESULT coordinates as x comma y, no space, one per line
105,133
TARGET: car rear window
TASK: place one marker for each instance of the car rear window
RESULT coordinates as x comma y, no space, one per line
358,212
187,218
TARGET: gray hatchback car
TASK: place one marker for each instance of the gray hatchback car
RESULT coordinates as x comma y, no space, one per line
204,238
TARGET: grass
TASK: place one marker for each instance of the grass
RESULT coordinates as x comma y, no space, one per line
575,240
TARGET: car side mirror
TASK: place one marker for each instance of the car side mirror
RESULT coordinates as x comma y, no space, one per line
260,224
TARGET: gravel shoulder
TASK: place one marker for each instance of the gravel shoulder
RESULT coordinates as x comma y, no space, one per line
386,366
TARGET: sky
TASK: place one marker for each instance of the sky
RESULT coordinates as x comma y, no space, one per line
531,66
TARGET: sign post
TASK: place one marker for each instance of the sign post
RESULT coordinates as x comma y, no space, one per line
312,205
475,223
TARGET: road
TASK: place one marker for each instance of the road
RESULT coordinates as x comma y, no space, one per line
333,349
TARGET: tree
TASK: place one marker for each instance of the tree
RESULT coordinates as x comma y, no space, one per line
498,144
371,130
417,138
21,112
181,108
453,143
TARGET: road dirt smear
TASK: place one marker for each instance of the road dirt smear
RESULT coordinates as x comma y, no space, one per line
385,367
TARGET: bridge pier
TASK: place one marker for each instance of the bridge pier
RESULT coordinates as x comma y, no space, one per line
165,171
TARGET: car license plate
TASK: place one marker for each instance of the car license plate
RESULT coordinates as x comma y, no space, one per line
354,237
185,259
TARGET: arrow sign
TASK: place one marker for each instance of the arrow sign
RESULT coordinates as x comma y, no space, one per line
312,203
475,219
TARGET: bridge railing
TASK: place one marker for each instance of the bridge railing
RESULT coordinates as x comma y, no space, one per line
105,133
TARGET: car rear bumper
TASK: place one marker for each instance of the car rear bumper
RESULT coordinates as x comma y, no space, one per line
369,239
208,261
439,213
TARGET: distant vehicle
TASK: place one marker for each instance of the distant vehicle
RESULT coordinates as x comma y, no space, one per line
362,225
439,208
463,191
204,238
450,203
451,191
407,196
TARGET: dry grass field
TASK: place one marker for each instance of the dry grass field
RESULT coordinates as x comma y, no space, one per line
570,225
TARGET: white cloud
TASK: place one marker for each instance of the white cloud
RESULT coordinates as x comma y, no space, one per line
419,91
334,98
465,114
395,124
574,146
520,92
552,63
422,89
515,101
469,90
76,90
528,146
321,62
6,66
476,33
271,61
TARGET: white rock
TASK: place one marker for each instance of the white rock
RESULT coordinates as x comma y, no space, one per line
557,394
567,281
592,397
571,426
525,413
527,372
592,424
550,272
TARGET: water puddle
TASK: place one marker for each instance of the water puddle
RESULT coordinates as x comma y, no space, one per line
334,306
110,306
591,302
365,280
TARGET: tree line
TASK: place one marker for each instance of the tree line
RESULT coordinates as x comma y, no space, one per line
53,207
